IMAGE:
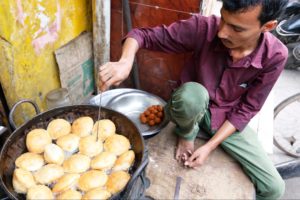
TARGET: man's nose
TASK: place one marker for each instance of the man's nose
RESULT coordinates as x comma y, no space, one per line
223,31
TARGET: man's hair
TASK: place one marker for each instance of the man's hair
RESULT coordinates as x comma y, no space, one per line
271,9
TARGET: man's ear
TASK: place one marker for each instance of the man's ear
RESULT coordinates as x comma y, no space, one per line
269,26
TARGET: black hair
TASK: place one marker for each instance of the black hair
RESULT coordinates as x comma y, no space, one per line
271,9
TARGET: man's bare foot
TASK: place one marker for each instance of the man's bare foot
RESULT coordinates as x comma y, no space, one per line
184,149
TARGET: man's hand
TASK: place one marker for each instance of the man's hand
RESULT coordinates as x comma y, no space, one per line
198,157
113,73
184,149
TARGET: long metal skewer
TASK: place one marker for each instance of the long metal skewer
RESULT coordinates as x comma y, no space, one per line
99,115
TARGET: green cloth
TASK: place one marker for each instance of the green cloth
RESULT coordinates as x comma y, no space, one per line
188,109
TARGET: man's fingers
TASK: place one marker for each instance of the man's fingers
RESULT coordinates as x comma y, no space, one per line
177,154
184,157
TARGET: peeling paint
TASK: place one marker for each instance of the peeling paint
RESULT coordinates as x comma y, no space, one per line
20,14
51,32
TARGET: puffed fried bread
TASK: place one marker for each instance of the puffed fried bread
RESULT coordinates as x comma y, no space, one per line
105,128
54,154
58,127
77,163
92,179
65,182
117,181
104,161
124,161
22,180
97,193
69,143
70,195
89,146
48,174
30,161
82,126
37,139
117,144
39,192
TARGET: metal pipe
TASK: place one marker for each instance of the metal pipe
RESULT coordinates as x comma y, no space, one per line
101,34
289,169
135,72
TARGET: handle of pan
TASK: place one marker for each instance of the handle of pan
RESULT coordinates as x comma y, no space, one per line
11,113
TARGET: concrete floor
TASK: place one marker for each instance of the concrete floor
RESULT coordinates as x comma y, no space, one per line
287,123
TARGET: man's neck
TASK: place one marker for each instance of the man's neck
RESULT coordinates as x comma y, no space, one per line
243,51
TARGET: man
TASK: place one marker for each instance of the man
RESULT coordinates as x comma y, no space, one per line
235,64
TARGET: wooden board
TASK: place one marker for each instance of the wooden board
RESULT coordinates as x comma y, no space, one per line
220,177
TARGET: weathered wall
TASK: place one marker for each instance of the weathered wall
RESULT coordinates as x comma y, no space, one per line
30,31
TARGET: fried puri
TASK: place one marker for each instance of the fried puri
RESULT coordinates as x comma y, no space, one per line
69,143
117,144
65,182
117,181
48,174
92,179
37,139
54,154
97,193
30,161
77,163
22,180
104,161
58,127
89,146
124,161
40,192
104,128
69,195
82,126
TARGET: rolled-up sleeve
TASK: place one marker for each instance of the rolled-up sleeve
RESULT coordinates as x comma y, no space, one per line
178,37
258,92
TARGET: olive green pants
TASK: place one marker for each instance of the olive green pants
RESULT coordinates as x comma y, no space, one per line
188,109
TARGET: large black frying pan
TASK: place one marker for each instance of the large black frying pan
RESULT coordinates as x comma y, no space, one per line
14,146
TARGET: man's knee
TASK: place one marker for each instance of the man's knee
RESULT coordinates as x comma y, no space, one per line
273,190
277,188
192,96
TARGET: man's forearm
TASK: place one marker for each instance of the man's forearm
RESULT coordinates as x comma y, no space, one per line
224,131
130,47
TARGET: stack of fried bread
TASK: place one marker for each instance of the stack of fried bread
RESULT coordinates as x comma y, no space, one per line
79,160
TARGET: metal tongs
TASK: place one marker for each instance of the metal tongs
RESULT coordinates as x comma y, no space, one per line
99,115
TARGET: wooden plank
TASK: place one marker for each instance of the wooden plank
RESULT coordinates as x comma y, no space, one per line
220,177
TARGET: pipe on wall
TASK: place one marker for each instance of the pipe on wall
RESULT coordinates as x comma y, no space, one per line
135,72
101,34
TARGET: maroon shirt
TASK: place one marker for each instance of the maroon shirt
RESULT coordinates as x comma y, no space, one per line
237,90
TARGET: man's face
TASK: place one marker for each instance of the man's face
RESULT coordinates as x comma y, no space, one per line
241,29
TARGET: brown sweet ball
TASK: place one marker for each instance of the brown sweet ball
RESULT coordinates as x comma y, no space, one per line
155,111
152,109
151,122
157,120
143,119
160,108
159,114
151,116
147,113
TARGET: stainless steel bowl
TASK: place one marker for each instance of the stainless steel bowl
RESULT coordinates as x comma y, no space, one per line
109,95
132,102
